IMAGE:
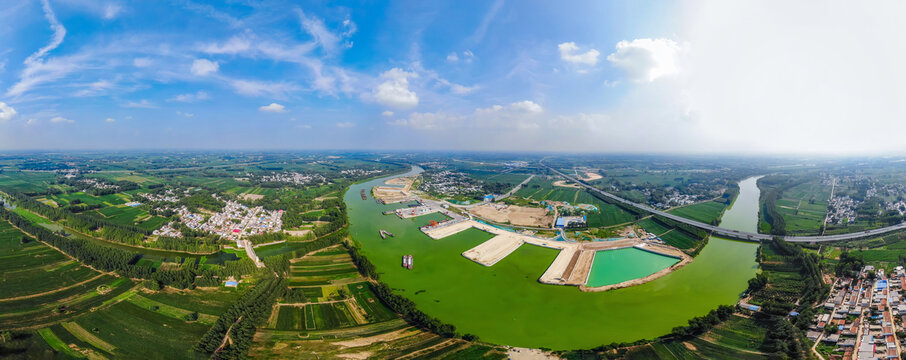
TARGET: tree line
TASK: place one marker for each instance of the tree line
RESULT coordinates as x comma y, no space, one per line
241,320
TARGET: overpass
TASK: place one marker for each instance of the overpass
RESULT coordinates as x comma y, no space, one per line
729,233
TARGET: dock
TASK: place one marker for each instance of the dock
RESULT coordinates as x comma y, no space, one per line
490,252
385,234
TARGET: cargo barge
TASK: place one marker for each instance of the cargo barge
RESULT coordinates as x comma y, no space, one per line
364,197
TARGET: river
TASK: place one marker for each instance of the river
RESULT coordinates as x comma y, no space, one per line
505,304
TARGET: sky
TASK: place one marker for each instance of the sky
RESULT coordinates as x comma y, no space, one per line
697,77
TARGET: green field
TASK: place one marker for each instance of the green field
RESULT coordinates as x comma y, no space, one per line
706,212
136,332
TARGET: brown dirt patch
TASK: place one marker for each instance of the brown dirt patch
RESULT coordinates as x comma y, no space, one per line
516,215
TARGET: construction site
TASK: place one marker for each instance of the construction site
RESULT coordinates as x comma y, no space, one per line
513,214
572,265
399,190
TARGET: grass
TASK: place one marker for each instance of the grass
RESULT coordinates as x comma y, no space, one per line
57,344
86,336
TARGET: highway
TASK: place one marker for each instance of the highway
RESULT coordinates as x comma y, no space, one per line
734,234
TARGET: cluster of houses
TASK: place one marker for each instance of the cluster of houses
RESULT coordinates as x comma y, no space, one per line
860,316
237,220
449,183
291,177
167,196
842,209
360,172
168,230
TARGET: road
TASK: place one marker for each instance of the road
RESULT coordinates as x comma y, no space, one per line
734,234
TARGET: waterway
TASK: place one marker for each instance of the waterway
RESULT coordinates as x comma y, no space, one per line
505,304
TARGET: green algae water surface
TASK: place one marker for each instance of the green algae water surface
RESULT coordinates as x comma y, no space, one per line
505,304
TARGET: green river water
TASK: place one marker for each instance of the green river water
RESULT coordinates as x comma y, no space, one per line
505,304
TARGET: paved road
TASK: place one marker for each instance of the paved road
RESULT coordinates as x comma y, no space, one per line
735,234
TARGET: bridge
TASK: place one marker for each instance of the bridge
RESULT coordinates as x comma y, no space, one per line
729,233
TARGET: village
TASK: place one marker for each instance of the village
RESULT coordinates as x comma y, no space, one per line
862,316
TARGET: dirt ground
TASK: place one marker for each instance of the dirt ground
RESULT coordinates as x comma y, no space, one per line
563,183
251,197
591,176
516,215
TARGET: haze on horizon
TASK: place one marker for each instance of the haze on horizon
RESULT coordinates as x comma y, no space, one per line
755,77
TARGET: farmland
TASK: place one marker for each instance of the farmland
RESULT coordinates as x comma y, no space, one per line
707,212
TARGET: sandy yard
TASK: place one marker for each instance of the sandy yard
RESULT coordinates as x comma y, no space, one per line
251,197
591,176
297,232
563,183
516,215
391,194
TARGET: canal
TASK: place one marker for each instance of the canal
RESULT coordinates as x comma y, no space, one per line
505,304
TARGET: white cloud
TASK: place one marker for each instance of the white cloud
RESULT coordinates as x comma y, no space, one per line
452,57
387,113
235,45
524,115
38,70
526,106
571,53
345,124
462,89
303,126
394,91
111,11
467,57
190,97
328,40
188,115
429,121
110,120
646,60
278,90
6,112
273,108
61,120
202,67
31,122
142,104
141,62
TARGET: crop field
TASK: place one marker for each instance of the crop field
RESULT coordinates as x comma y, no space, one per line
705,212
322,269
654,227
62,305
27,181
607,214
739,333
804,206
112,199
680,239
203,301
538,185
132,331
375,311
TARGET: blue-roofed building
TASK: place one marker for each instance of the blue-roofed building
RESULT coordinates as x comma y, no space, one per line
754,307
231,283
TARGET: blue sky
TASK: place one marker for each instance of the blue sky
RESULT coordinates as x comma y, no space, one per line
635,76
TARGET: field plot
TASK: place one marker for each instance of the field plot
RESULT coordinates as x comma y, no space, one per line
706,212
41,285
607,214
804,206
203,301
319,270
132,331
